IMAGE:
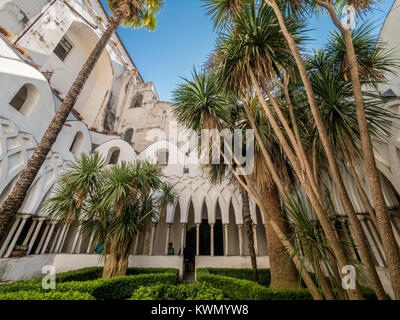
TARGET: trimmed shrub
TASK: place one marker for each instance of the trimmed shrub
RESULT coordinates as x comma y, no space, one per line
87,280
238,289
264,275
52,295
117,287
199,291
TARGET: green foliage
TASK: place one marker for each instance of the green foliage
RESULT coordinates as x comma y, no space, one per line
88,280
142,13
52,295
117,287
199,102
20,248
115,202
238,289
198,291
264,275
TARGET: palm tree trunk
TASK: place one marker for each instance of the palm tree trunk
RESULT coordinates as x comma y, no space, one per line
110,265
316,204
283,272
355,223
248,224
16,197
385,229
325,287
275,227
124,260
359,187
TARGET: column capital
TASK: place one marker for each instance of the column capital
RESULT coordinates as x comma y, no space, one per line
23,216
39,218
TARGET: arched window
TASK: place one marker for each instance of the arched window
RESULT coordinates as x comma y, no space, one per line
25,99
137,101
163,157
76,145
128,135
114,157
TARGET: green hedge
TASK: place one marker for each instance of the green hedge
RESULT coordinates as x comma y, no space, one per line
239,289
52,295
264,275
118,287
229,279
198,291
87,280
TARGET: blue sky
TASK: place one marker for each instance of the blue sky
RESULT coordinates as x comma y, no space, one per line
184,38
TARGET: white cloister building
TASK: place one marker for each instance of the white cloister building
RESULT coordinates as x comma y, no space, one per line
43,45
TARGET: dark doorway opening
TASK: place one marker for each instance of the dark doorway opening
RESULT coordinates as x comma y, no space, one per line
189,252
204,238
218,238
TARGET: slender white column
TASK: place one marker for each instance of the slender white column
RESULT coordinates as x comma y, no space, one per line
79,245
30,231
136,245
197,239
255,239
240,239
153,234
78,233
212,239
16,236
46,243
371,242
89,248
64,237
41,241
9,236
60,237
35,234
168,236
183,232
54,242
226,239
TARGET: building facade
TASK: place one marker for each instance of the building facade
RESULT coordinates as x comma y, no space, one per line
43,45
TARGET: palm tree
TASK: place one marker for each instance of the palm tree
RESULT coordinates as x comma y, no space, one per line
383,219
335,100
118,202
384,225
200,104
134,13
254,52
283,274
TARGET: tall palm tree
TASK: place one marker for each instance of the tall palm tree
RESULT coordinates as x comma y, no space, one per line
255,52
383,219
283,273
134,13
118,202
335,100
200,104
391,252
